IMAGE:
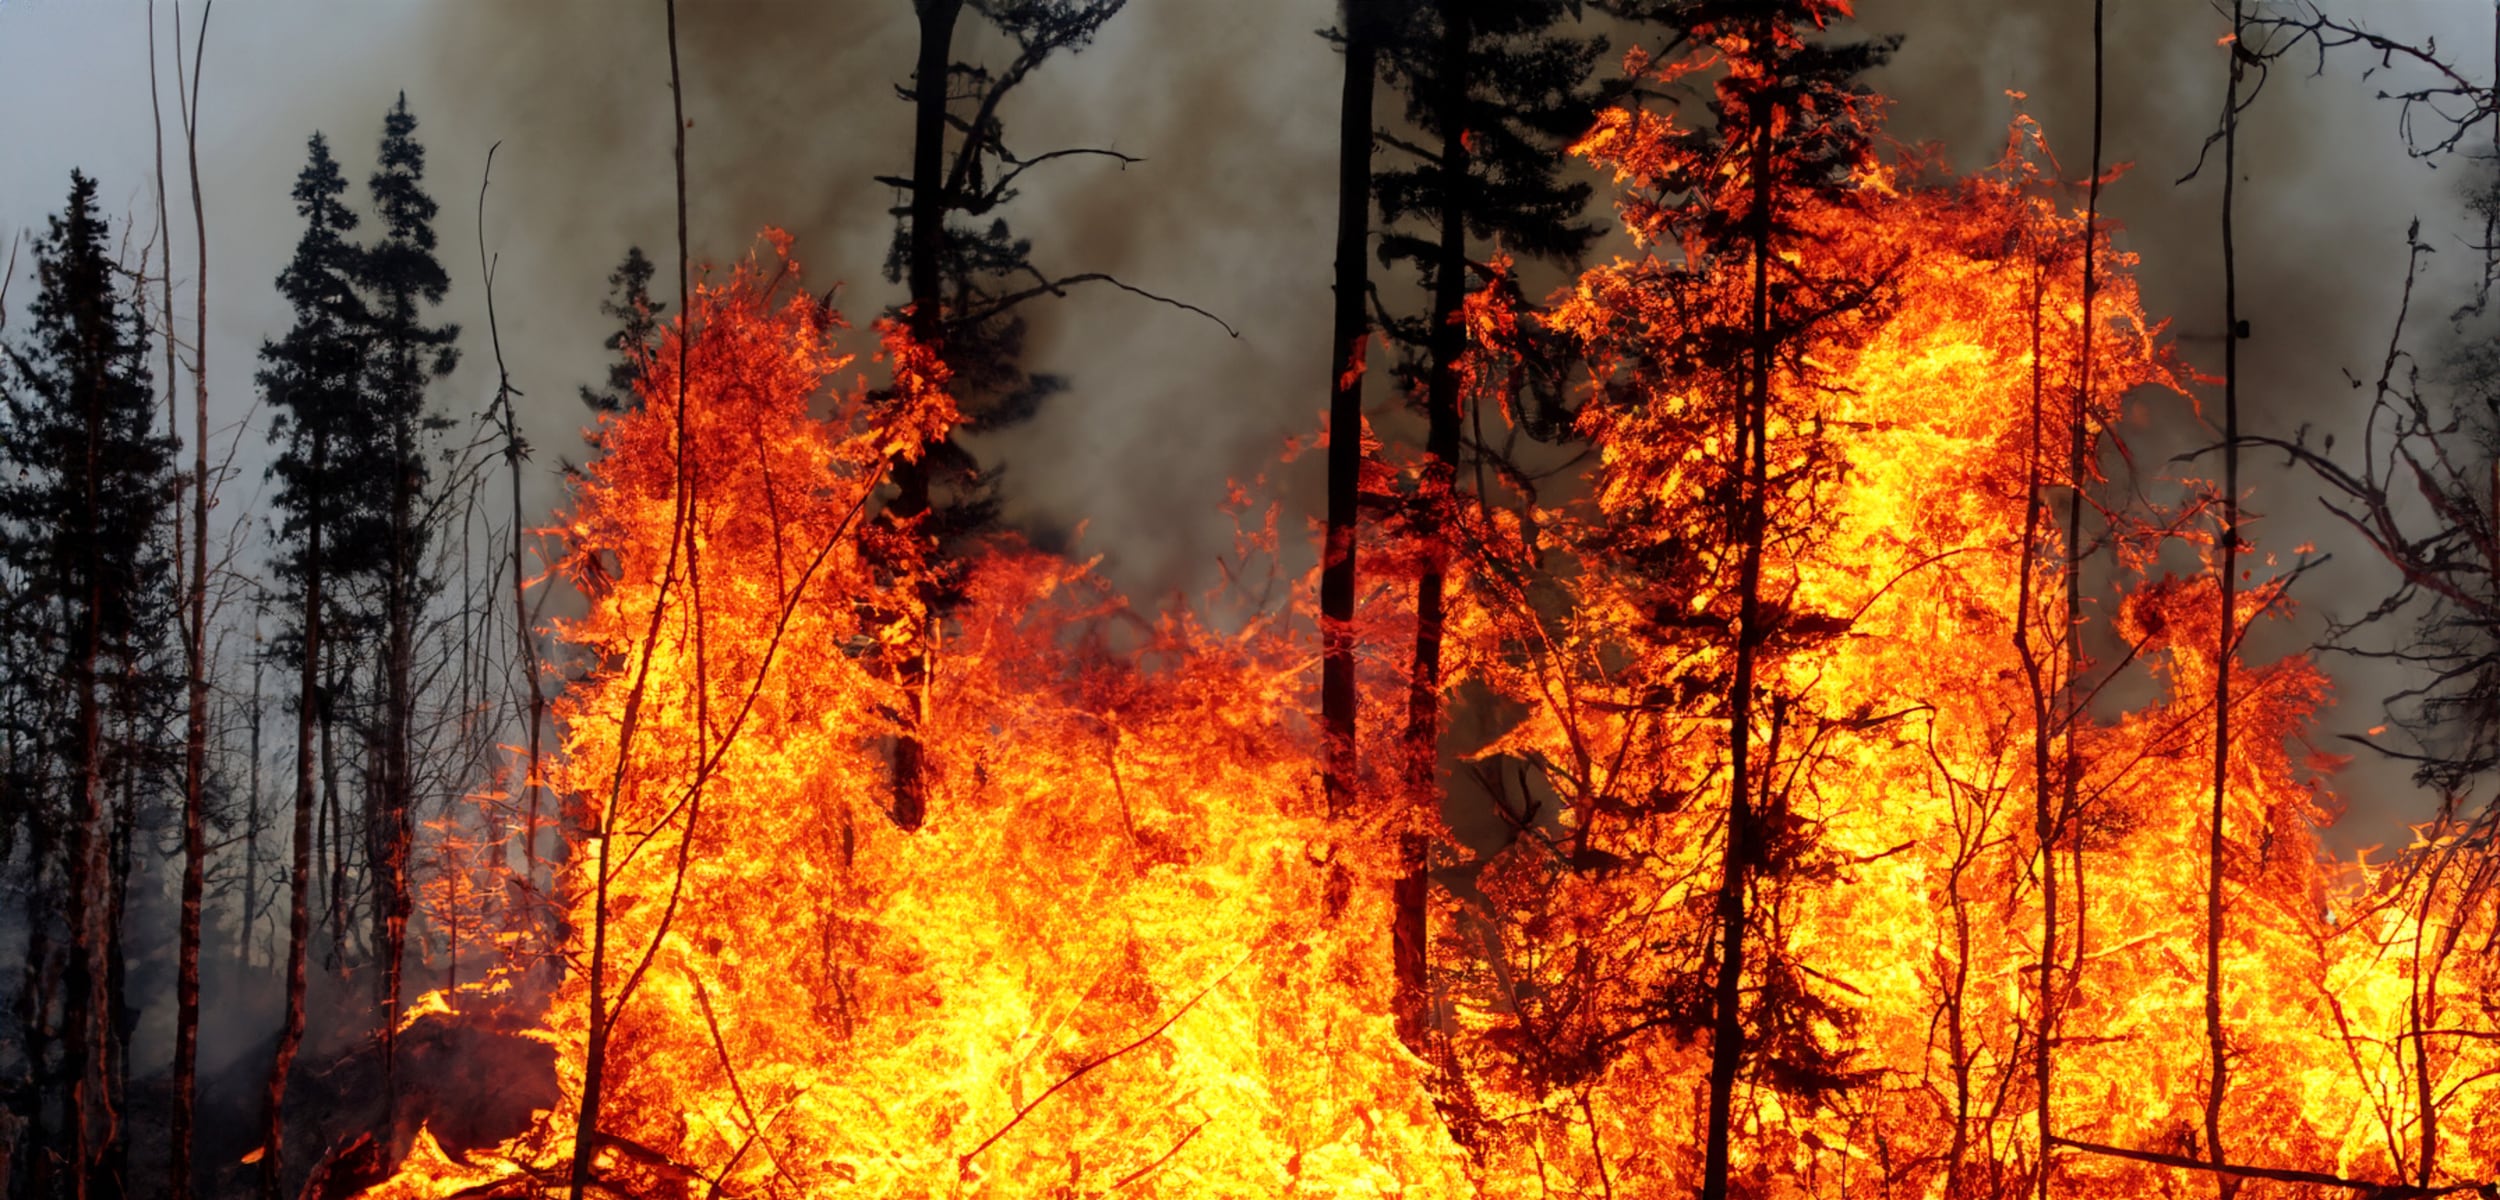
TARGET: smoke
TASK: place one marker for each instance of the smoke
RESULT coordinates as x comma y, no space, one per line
793,115
1231,106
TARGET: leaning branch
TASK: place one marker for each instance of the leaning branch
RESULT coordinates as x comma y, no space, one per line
963,1162
2373,1191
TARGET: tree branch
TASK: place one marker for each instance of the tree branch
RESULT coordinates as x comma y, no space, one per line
2369,1190
963,1162
1059,286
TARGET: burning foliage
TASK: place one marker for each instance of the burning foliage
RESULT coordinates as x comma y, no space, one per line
1131,951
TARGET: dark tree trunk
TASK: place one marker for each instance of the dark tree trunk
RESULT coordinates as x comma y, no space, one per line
251,831
1412,1003
602,1018
299,903
89,989
2219,1057
2049,827
1727,1043
928,326
332,832
393,828
194,645
1347,347
113,1158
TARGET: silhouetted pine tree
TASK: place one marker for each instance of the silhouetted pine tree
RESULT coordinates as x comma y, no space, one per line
638,316
966,279
313,379
83,497
1723,325
1495,88
405,355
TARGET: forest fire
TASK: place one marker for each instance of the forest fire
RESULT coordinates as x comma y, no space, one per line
1741,721
1132,951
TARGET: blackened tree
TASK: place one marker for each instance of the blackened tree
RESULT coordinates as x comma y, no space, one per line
1493,91
966,273
1721,336
1366,26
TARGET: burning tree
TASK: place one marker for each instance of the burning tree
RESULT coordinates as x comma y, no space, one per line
1111,942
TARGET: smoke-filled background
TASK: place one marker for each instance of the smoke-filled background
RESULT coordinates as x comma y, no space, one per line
792,114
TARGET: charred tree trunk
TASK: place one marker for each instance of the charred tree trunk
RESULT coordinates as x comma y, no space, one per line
332,833
2227,643
89,1036
1348,345
927,322
387,853
299,899
602,1018
113,1160
2051,826
1440,483
251,822
1727,1041
2042,688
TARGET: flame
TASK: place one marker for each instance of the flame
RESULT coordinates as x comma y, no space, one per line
1129,952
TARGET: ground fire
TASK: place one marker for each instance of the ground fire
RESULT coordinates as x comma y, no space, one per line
1131,951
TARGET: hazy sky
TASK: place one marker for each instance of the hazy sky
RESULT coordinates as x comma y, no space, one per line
1231,104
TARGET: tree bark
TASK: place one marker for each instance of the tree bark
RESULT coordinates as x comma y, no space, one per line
2216,1045
1348,345
2050,826
681,533
926,320
393,826
299,902
1727,1042
88,1020
195,627
1412,1004
251,823
2041,687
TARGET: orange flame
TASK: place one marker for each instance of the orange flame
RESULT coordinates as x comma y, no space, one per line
1129,953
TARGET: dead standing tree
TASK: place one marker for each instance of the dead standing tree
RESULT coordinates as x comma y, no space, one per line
965,285
192,578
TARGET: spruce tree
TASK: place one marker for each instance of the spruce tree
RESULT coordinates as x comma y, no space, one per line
965,281
1716,342
637,315
401,279
82,501
1495,89
313,380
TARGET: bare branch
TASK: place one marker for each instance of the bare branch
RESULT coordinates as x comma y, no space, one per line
1059,286
963,1162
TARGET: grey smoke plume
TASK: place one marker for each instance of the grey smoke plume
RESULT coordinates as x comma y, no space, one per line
1231,106
793,114
2325,192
